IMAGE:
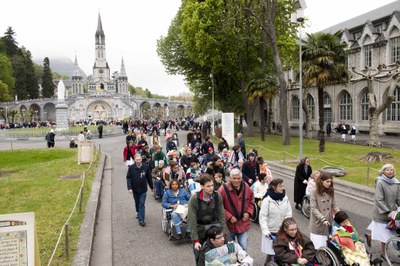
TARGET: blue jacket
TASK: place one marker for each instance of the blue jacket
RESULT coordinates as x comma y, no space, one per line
137,178
170,199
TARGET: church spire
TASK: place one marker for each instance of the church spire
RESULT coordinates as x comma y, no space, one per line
77,71
99,30
122,72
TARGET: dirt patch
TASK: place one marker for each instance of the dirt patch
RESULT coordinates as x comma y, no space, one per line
5,174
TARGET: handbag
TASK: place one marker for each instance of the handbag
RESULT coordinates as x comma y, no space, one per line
129,162
182,210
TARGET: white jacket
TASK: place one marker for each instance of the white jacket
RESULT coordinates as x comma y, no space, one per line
273,213
260,189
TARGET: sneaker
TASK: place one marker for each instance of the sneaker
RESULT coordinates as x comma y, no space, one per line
142,223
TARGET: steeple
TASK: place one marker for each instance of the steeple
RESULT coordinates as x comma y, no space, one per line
99,30
122,72
77,71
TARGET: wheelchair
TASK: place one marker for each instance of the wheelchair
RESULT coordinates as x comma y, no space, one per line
329,255
305,206
392,251
168,227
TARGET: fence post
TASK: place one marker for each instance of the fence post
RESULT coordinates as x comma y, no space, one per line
368,170
81,199
66,241
284,157
319,162
11,146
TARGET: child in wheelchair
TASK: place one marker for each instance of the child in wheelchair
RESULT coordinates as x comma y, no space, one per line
159,183
311,184
347,240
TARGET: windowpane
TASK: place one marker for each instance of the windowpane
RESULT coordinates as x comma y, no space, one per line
368,55
394,49
393,111
311,105
364,107
345,107
295,108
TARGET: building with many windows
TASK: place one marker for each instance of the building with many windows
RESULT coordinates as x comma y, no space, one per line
372,39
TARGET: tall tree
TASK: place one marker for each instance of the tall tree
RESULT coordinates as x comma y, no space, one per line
271,15
32,83
381,75
4,94
324,63
6,75
10,44
47,80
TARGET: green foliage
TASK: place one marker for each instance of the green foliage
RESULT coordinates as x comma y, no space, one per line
6,76
26,189
47,80
4,93
32,82
10,44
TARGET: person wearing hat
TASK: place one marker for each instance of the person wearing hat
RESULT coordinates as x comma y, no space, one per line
346,236
208,156
251,169
51,138
170,144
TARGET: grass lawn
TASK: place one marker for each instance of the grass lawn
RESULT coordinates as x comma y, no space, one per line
347,156
29,182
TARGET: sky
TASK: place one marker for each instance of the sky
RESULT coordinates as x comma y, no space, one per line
132,27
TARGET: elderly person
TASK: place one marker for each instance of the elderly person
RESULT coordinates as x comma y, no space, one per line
275,207
387,198
322,209
173,197
238,202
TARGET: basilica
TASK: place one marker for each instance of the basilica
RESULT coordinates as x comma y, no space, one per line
103,98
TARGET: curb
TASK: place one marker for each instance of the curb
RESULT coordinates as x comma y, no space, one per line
87,230
348,189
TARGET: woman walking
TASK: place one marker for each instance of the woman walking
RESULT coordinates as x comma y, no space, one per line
303,172
323,206
387,198
275,207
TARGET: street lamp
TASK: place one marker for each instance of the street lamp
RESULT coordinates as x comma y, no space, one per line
298,17
212,99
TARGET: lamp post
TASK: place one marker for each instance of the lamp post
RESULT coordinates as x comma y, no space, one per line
7,115
298,17
212,99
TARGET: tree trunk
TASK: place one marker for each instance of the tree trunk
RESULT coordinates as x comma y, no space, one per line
262,119
373,131
270,115
282,91
321,132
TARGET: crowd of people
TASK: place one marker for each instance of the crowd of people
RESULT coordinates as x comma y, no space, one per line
213,192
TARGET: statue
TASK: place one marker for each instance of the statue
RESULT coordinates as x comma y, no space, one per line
61,91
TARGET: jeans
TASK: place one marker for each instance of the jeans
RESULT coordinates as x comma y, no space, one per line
241,238
140,199
159,187
177,219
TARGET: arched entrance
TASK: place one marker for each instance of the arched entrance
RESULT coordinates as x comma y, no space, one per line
99,111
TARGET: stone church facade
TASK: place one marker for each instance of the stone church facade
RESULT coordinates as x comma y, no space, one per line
372,39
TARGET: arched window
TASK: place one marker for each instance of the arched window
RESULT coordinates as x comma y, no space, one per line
393,111
295,107
394,45
327,108
311,105
364,106
345,107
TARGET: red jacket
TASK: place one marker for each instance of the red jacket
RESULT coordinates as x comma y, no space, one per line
133,151
240,226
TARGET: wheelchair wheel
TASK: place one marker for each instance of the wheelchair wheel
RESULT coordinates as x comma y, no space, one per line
392,250
254,217
164,221
305,206
272,263
326,257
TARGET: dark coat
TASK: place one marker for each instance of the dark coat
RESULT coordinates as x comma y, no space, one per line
137,178
250,170
299,186
287,255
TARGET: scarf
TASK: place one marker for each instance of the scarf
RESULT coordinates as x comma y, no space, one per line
274,195
388,180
